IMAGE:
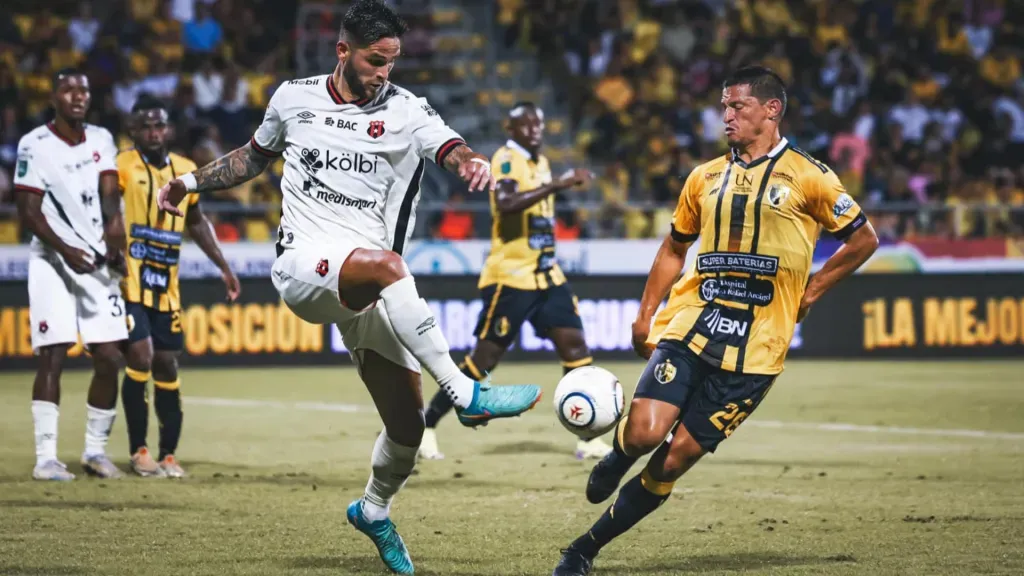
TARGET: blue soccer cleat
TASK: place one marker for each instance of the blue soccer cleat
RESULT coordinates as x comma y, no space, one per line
490,402
385,536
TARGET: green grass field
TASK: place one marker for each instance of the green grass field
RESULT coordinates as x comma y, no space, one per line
846,468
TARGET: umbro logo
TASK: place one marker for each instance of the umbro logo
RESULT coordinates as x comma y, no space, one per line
425,326
307,117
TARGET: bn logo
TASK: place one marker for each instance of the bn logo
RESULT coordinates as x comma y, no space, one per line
376,128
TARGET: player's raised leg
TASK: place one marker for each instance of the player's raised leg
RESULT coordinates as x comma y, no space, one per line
369,275
167,402
101,409
397,394
664,388
476,365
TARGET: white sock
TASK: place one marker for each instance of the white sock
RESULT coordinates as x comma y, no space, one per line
44,416
391,465
97,429
417,329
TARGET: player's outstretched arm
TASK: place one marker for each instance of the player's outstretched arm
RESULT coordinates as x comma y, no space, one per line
473,168
30,212
201,232
665,270
234,168
508,198
850,256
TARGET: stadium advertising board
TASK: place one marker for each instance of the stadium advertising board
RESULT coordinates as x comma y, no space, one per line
868,316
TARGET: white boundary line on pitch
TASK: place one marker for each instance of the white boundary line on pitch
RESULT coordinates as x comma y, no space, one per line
819,426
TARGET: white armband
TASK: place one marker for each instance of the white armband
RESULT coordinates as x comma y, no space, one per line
189,180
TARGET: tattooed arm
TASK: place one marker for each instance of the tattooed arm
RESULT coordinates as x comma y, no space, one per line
236,167
473,168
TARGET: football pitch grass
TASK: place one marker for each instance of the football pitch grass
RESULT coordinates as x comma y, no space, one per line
846,468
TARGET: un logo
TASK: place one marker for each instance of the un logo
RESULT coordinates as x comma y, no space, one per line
665,372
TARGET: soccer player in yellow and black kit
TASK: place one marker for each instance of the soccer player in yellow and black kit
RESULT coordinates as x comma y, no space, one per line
717,347
151,291
521,280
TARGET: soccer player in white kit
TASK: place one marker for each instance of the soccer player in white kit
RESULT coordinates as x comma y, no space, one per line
66,190
355,147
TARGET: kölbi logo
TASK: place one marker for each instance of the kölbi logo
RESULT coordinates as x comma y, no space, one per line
345,161
719,324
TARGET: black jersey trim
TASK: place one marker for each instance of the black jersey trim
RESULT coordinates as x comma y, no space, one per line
405,213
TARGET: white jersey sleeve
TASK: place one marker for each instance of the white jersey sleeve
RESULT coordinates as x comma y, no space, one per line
269,138
434,139
28,174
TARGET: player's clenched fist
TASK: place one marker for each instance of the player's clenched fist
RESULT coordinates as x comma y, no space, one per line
476,171
171,195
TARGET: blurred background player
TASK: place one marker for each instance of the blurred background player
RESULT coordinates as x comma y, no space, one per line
151,290
521,280
719,344
66,184
343,230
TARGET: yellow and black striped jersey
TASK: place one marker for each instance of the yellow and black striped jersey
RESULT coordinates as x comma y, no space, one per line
522,243
757,225
154,237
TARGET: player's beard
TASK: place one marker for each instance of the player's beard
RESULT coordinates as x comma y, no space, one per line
351,78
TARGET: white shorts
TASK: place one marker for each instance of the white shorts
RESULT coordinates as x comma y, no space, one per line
63,304
307,280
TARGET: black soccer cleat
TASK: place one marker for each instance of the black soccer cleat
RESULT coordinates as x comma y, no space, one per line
573,563
604,479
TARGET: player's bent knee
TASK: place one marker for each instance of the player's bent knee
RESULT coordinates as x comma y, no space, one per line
389,267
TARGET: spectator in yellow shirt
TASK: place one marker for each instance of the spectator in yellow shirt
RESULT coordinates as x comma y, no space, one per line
1001,67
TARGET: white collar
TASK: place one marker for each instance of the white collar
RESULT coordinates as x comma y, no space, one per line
510,143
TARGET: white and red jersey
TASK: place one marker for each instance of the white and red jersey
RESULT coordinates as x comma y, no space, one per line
352,169
67,175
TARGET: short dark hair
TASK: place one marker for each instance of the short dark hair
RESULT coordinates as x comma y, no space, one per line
147,101
764,84
64,73
367,21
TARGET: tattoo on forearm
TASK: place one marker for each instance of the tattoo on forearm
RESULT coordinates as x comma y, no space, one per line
456,157
236,167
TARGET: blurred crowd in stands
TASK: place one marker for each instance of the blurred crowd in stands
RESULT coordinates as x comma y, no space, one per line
918,105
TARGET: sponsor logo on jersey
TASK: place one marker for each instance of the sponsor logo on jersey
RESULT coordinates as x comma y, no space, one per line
740,290
345,161
719,324
155,279
322,267
306,117
842,205
22,167
304,82
665,372
342,199
712,176
737,262
341,124
376,128
429,110
777,195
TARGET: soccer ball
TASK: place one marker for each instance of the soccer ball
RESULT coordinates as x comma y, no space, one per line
588,401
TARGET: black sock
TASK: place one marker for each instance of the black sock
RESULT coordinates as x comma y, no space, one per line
167,400
636,500
440,404
135,399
